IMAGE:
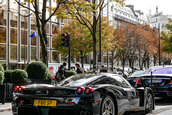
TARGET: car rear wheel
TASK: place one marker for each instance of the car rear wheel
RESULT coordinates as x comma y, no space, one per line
149,103
108,106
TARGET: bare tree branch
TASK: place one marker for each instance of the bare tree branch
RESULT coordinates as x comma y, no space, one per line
81,18
24,6
85,24
57,7
33,4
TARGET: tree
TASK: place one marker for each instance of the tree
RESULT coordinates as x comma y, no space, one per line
83,11
81,40
167,43
42,20
167,38
135,42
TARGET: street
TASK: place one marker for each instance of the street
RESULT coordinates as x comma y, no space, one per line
163,107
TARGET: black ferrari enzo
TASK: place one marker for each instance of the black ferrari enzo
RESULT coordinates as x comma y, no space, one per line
83,94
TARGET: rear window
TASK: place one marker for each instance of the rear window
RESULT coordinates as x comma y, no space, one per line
79,80
137,74
162,70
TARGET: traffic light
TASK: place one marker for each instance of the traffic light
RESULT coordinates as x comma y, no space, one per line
65,39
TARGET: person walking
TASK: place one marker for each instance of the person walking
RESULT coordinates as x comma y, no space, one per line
78,68
103,69
95,70
61,73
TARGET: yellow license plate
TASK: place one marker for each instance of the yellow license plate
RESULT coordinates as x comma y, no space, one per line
48,103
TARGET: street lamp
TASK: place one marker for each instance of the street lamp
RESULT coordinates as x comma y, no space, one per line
159,43
25,16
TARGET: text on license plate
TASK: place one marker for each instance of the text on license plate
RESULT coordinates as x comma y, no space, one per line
155,81
38,102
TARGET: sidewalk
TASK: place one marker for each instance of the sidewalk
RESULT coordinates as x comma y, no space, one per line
163,110
5,107
159,110
168,112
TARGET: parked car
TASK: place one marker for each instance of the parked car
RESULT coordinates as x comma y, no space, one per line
161,80
83,94
134,77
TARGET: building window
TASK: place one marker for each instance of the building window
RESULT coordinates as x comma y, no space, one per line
3,52
13,52
33,53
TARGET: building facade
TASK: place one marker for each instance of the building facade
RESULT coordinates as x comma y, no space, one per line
159,20
16,47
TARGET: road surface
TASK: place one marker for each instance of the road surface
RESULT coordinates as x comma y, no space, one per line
163,106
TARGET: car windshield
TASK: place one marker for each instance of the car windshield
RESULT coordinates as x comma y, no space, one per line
79,80
160,70
137,74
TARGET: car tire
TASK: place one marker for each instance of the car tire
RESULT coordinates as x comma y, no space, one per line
149,103
108,106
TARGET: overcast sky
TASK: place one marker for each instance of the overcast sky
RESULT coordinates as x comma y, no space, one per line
163,5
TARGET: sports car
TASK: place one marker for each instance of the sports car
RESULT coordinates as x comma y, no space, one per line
83,94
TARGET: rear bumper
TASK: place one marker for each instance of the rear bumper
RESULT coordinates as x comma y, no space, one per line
81,106
162,91
31,110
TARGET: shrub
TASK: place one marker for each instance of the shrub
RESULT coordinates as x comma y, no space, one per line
37,70
1,68
49,76
1,77
7,75
70,73
90,71
19,77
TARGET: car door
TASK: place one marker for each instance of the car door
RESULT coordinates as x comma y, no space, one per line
132,93
120,94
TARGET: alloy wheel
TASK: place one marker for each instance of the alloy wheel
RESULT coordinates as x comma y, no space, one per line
149,103
108,106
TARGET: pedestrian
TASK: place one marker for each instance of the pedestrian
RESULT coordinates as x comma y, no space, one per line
103,69
61,73
94,69
78,68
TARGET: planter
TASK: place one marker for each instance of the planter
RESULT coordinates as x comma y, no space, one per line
2,94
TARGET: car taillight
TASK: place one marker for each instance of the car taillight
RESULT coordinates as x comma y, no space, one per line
15,89
170,82
53,78
70,103
80,90
138,81
18,89
88,90
21,101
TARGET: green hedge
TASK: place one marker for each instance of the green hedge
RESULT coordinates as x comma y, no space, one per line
7,75
19,77
70,73
37,70
49,76
1,77
1,68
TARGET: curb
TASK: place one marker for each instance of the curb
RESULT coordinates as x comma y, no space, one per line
154,112
161,110
5,109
